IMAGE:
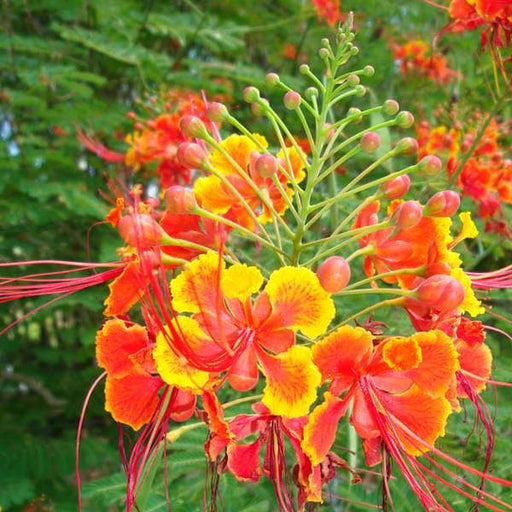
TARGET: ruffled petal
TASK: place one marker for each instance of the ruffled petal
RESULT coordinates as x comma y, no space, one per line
132,400
244,460
296,160
320,431
420,412
476,364
240,281
292,381
299,301
220,433
175,370
343,355
115,343
125,290
213,195
197,288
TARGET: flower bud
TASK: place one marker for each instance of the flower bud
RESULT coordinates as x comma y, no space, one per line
325,42
251,94
324,53
441,292
354,50
443,204
192,126
390,107
266,165
407,146
356,112
334,274
191,155
311,92
180,200
369,71
360,90
304,69
217,112
430,165
272,79
258,108
131,115
407,215
140,230
370,142
404,119
353,80
397,187
292,100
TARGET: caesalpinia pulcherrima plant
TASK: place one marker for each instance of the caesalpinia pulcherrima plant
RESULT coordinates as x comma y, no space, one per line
243,281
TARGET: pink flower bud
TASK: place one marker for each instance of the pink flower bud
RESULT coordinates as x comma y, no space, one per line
180,200
191,155
334,274
404,119
272,79
131,115
443,204
360,90
292,100
430,165
140,230
407,215
370,142
251,94
266,165
390,107
441,292
397,187
407,146
353,80
217,112
192,126
368,70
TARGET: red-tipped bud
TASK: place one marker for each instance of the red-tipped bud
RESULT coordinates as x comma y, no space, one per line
217,112
368,70
192,126
430,165
443,204
138,126
360,90
334,274
441,292
251,94
272,79
390,107
397,187
266,165
292,100
404,119
407,146
191,155
356,113
353,80
180,200
140,230
131,115
258,109
407,215
370,142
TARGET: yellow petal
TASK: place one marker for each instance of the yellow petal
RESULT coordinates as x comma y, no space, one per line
470,304
197,287
175,370
300,301
213,195
240,281
292,381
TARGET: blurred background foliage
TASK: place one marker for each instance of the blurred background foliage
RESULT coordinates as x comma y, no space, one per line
73,63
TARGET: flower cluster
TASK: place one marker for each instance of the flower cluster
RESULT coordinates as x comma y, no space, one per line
494,16
244,283
153,144
486,176
416,57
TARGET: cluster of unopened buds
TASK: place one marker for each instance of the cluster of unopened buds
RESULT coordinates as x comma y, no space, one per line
245,281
